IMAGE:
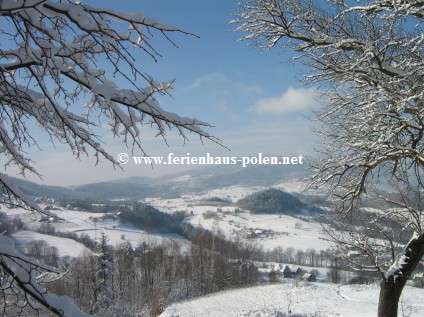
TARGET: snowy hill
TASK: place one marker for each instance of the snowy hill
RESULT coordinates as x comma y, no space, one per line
217,211
65,246
302,299
88,223
272,201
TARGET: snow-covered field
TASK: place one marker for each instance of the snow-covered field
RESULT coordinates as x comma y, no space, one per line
302,299
269,230
65,247
82,222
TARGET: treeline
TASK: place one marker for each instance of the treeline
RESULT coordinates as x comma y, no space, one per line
123,281
309,257
88,204
142,281
82,238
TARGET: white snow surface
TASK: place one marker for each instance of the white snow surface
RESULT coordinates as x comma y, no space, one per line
82,222
65,246
305,299
279,230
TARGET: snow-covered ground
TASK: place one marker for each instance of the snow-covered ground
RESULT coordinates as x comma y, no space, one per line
268,230
273,230
82,222
65,247
303,299
284,230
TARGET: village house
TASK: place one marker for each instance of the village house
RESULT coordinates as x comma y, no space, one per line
308,277
284,270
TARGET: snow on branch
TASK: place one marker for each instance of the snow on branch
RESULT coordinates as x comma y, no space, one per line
54,55
25,273
411,7
52,59
368,62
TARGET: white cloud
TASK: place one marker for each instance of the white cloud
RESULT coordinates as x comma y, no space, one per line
210,78
247,89
291,136
293,100
220,78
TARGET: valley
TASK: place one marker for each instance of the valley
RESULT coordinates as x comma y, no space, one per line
214,251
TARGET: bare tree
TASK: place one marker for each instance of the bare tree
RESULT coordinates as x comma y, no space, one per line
52,55
367,58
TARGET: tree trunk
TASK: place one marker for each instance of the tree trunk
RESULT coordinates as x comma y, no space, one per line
391,287
390,291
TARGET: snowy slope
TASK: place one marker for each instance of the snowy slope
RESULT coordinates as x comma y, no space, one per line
82,222
65,246
282,230
305,299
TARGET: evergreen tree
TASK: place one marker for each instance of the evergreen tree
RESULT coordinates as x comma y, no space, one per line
104,276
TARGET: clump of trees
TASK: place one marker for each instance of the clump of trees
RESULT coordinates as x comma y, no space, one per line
9,226
210,214
271,201
40,250
150,219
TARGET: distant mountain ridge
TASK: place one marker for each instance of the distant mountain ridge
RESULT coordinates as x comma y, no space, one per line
196,180
37,190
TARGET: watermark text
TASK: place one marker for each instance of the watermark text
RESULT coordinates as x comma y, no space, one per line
208,159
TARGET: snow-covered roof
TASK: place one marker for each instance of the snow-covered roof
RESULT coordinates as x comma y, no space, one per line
308,276
419,275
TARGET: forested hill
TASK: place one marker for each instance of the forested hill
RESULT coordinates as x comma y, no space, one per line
148,218
272,201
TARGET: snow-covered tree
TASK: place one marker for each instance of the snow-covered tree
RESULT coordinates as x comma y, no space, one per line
367,58
104,273
55,54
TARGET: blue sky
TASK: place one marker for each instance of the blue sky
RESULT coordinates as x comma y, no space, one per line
254,99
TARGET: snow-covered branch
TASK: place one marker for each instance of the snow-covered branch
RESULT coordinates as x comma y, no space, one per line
371,68
51,46
54,55
25,273
367,58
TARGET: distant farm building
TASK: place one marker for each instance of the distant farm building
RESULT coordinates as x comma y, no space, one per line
284,270
308,277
